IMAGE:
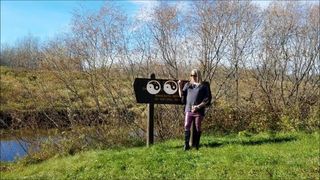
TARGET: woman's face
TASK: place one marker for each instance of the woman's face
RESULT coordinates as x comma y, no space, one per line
194,76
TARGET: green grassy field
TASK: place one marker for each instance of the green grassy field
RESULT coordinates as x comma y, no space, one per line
262,156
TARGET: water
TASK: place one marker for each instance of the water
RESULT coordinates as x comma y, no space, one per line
12,149
13,145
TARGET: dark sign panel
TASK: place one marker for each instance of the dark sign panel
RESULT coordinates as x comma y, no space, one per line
157,91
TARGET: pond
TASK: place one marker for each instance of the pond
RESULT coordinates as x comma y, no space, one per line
12,149
15,144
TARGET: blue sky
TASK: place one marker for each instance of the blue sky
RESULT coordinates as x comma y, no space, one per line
44,19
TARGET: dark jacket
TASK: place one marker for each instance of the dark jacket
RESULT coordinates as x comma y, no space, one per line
195,95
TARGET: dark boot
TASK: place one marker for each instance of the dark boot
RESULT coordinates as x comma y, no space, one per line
186,140
197,139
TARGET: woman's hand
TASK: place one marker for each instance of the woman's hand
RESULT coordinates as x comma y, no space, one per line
180,87
195,108
180,83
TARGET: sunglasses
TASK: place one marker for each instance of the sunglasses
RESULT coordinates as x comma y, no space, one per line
193,75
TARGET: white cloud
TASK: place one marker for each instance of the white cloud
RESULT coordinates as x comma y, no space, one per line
146,9
183,5
265,3
262,4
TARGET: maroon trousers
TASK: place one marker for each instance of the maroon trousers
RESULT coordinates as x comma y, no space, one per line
190,117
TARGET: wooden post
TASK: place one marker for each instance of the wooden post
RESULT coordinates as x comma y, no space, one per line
150,123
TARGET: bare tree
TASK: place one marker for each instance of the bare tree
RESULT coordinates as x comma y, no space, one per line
210,26
24,54
7,55
288,56
166,29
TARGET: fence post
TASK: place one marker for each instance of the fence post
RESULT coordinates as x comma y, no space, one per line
150,122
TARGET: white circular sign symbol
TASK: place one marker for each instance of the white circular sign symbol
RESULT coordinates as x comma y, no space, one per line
170,87
153,87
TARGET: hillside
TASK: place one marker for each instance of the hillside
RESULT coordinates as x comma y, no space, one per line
262,156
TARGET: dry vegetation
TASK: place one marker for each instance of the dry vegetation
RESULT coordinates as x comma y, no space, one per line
263,66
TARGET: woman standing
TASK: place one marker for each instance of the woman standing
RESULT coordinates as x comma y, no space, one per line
196,96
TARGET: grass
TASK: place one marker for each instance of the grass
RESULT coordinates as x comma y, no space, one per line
262,156
25,89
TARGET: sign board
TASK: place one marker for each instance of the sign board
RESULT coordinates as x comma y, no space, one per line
157,91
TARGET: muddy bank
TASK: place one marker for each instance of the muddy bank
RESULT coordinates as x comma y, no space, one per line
49,118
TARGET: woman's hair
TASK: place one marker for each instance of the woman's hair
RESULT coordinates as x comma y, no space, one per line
198,73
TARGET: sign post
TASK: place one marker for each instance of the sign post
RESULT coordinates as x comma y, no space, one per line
150,119
157,91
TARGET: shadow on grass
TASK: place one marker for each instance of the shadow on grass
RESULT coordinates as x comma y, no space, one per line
270,140
245,141
251,141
